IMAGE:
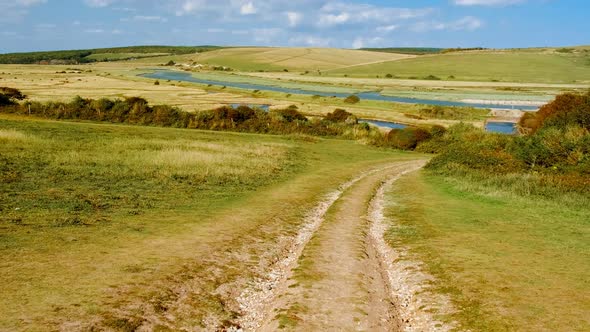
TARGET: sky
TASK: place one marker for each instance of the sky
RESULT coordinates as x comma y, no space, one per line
35,25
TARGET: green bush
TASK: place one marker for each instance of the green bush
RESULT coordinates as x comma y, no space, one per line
352,99
407,138
339,115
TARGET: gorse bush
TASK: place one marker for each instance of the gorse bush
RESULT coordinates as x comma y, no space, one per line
567,109
340,115
407,138
554,152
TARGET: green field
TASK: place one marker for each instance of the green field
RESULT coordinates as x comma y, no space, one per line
509,263
97,218
505,66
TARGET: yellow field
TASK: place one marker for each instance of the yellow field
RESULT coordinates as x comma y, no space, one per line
43,83
278,59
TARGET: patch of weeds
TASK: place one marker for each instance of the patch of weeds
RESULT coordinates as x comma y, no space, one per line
69,221
122,324
289,318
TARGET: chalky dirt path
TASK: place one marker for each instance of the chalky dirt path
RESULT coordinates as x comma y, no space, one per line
338,274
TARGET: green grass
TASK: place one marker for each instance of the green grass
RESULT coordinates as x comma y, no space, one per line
508,262
484,66
100,222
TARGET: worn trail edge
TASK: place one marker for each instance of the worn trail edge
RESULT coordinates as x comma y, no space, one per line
390,292
407,282
256,302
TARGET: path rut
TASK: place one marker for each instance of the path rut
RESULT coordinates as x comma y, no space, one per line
336,281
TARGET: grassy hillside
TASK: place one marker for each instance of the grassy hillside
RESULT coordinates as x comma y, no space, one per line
296,59
546,67
100,219
500,256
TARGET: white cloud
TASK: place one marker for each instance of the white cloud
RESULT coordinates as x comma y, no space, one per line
248,9
387,28
335,13
94,30
469,23
361,42
294,18
149,18
13,11
99,3
486,2
308,40
331,19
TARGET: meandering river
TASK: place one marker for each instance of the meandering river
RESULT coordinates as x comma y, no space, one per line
369,95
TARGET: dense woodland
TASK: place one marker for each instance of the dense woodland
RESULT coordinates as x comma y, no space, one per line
81,56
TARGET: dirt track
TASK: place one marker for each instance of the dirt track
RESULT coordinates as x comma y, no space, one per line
336,275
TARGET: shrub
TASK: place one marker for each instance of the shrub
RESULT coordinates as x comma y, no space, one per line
157,83
567,109
407,138
339,115
432,78
352,99
291,114
9,96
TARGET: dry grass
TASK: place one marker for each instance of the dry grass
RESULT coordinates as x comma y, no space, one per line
277,59
109,223
12,135
42,83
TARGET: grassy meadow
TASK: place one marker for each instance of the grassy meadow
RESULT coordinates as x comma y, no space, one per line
100,224
509,262
504,66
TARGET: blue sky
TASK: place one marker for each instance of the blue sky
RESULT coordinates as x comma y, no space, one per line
29,25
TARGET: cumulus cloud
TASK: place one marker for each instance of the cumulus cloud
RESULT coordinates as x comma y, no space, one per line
387,28
149,18
361,42
248,9
486,2
294,18
309,40
99,3
14,10
337,13
469,23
